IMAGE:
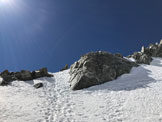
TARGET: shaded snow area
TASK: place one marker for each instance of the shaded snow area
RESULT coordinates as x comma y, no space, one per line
134,97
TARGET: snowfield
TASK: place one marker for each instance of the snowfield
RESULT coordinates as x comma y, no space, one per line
134,97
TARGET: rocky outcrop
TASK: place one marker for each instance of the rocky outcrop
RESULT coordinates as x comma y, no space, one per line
146,53
96,68
23,75
141,58
144,59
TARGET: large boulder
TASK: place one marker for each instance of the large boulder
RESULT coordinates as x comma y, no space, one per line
96,68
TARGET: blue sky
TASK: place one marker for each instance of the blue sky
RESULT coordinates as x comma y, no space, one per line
52,33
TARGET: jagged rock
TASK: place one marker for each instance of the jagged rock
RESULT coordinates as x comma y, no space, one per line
144,59
119,55
96,68
65,68
154,50
38,85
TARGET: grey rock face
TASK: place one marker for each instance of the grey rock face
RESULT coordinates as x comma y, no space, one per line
96,68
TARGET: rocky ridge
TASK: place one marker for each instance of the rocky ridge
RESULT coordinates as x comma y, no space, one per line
91,69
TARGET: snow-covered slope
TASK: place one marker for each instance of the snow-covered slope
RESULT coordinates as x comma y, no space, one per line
134,97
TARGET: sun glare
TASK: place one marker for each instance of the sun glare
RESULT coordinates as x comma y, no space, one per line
11,6
9,2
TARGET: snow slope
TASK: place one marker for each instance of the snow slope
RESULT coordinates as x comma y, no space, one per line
134,97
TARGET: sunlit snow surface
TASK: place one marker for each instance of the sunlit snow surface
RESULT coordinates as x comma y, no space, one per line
134,97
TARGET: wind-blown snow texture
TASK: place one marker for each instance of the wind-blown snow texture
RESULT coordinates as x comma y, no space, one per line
134,97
